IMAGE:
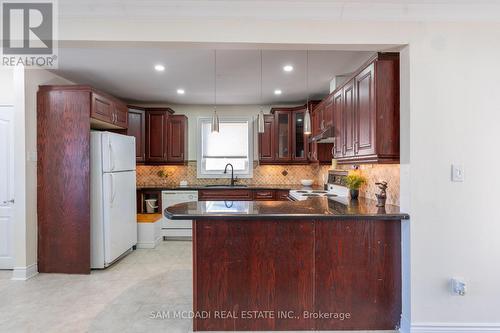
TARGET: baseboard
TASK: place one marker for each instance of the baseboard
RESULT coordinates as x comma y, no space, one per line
405,324
455,327
146,245
24,273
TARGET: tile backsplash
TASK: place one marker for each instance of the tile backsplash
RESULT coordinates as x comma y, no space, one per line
276,175
262,174
375,173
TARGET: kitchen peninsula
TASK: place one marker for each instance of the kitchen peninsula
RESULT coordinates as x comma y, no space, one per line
318,264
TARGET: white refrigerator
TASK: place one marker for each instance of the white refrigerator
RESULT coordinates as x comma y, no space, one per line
113,197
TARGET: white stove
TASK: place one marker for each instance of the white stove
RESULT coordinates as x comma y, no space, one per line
336,192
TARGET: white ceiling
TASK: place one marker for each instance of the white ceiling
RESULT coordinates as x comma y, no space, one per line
128,73
339,10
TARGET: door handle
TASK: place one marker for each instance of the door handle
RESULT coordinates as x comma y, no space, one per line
8,201
113,192
111,161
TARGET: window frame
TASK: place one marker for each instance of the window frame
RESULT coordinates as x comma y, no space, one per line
199,157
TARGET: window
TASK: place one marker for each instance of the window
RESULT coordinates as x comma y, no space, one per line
233,144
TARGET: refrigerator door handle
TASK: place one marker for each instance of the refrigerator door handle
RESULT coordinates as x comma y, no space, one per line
113,191
111,160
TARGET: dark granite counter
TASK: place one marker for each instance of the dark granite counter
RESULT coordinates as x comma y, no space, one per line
195,187
314,208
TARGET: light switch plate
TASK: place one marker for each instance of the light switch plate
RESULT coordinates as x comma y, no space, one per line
457,173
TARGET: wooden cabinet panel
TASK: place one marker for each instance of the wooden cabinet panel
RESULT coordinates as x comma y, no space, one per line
365,112
328,111
282,195
358,271
348,120
283,130
63,178
272,260
102,108
264,195
121,115
156,136
267,140
300,146
338,107
224,194
177,139
320,111
137,128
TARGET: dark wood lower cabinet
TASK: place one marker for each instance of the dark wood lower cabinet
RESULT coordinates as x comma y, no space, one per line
224,194
358,271
294,272
253,265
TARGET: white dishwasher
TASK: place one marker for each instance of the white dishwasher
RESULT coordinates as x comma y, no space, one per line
180,229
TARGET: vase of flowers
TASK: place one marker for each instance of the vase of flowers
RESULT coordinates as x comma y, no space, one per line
354,181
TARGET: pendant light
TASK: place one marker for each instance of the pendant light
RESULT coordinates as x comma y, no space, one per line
260,117
307,116
215,118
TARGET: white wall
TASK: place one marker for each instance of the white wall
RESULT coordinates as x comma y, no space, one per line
453,113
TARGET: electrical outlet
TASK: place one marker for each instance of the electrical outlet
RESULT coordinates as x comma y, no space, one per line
457,173
458,286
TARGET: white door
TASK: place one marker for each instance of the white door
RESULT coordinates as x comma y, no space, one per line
120,209
6,187
118,152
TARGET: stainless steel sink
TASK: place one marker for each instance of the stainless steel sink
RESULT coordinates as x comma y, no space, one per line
228,186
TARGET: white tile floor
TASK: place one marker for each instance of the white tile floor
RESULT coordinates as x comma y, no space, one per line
118,299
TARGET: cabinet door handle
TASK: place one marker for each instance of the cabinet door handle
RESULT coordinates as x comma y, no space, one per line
356,147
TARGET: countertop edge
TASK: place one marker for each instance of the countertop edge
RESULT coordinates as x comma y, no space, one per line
397,217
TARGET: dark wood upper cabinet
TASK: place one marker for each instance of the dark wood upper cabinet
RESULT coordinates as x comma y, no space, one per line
338,106
156,135
283,132
121,115
300,143
266,140
177,131
137,128
102,108
348,125
283,140
328,111
366,113
107,112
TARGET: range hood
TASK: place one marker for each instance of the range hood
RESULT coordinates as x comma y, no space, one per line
326,136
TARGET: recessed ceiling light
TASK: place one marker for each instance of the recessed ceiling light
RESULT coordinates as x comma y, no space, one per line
181,91
288,68
159,68
277,92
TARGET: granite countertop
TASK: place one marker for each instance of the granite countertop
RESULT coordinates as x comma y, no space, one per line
317,208
249,187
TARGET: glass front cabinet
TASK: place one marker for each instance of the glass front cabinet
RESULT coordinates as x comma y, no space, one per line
287,143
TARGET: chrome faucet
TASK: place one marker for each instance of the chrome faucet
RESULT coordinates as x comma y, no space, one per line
233,180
